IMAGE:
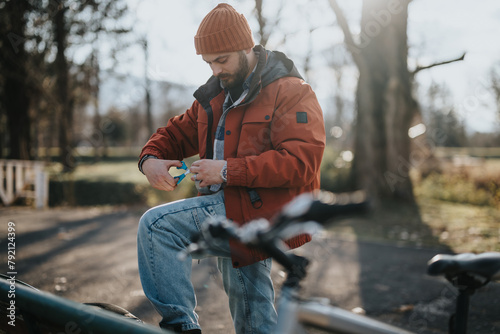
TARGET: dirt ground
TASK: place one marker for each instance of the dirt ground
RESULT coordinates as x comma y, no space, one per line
89,255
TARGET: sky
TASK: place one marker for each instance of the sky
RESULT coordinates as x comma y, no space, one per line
437,31
443,30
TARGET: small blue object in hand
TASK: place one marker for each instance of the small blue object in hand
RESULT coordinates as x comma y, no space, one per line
182,176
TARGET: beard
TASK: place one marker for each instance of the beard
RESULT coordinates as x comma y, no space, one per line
236,79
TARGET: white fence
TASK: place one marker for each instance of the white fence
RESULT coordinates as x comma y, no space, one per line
24,179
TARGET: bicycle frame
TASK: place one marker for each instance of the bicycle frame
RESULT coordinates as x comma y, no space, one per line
294,314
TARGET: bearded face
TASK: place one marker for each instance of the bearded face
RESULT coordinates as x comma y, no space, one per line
236,78
231,68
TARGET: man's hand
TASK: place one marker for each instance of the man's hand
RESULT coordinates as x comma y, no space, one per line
207,171
156,171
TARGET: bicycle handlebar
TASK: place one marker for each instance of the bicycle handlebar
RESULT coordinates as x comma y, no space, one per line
319,207
304,214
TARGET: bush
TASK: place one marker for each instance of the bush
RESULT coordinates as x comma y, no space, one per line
459,188
491,186
335,172
90,193
84,193
336,179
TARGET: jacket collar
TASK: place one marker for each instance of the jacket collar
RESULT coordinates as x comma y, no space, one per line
271,66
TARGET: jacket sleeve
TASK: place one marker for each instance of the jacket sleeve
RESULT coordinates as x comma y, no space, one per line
178,139
297,135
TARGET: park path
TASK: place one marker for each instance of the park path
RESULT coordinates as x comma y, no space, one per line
89,255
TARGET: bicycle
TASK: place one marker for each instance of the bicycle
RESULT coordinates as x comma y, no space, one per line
306,214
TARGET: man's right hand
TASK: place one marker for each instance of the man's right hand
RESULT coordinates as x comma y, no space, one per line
156,171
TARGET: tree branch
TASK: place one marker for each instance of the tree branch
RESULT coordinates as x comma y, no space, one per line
420,68
348,39
495,86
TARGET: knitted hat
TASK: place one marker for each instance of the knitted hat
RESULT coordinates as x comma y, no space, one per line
223,30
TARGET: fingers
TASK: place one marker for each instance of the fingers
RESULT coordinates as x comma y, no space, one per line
157,173
196,166
163,182
175,163
200,182
207,171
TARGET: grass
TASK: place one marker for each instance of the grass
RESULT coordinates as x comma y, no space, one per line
115,171
458,209
462,227
458,189
481,152
462,181
461,204
110,171
441,225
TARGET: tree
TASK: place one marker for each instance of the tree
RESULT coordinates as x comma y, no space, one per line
75,23
384,100
340,121
39,77
440,114
147,86
495,86
65,102
265,27
102,25
13,65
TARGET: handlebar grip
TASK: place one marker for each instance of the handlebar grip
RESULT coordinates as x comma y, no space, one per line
322,206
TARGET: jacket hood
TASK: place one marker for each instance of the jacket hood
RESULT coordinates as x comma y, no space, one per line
277,66
271,66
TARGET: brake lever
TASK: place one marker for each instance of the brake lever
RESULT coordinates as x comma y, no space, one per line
193,248
213,230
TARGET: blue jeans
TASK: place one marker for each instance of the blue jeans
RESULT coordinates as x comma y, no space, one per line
167,229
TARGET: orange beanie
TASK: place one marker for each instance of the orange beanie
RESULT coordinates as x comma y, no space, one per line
223,30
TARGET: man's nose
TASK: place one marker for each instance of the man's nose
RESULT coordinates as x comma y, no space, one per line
216,70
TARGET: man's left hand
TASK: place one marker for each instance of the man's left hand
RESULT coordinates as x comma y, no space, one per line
207,171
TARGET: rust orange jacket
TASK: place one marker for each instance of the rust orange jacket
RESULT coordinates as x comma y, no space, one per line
273,144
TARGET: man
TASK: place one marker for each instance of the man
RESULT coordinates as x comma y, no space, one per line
259,132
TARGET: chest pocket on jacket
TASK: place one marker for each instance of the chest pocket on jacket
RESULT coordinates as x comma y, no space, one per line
255,135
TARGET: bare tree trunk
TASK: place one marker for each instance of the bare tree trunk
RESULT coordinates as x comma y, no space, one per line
495,88
263,37
149,115
266,25
389,106
98,138
385,106
15,85
65,113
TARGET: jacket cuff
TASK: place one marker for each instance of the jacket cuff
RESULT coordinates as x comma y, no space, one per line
144,158
236,172
151,151
148,152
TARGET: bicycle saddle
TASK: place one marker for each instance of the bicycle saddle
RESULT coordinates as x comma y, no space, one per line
485,265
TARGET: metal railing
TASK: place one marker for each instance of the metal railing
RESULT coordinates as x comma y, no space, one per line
24,179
